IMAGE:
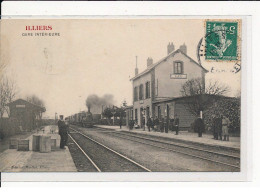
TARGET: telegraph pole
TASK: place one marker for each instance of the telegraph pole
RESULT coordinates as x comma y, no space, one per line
55,117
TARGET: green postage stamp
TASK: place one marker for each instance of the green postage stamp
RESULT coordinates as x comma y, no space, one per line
222,40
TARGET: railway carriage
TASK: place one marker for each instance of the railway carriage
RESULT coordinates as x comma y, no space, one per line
83,119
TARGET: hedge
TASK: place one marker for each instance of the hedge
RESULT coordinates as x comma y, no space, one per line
224,107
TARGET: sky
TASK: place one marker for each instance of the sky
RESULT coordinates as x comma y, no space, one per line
94,56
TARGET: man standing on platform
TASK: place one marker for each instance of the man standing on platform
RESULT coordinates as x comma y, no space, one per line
225,128
63,132
143,122
162,124
217,127
149,123
156,123
120,122
199,126
176,124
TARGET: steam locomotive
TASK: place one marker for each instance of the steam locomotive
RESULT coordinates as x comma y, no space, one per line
83,119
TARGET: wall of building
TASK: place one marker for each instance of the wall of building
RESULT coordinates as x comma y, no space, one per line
128,116
163,107
26,114
146,102
168,87
185,116
179,108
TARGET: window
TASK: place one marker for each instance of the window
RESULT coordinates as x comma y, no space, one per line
178,67
135,94
147,90
141,92
156,88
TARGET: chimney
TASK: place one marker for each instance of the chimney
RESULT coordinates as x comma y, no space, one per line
170,48
136,69
183,48
149,61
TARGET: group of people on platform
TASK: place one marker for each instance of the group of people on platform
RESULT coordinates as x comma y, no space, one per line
220,126
161,124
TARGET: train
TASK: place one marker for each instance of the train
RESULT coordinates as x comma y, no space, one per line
83,119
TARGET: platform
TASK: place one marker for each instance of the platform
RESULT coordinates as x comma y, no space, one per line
58,160
206,139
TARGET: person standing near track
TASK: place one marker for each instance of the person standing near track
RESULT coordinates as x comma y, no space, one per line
217,127
120,123
199,126
225,128
156,123
63,132
149,123
143,122
162,124
152,123
176,124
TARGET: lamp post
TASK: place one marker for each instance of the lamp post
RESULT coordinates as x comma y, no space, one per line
114,112
201,114
55,117
102,111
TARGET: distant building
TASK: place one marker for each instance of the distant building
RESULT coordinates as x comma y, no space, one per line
27,115
155,89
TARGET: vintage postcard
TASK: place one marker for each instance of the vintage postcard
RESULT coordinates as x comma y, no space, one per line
126,95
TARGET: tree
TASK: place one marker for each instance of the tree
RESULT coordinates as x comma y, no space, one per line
108,113
124,103
4,54
8,91
229,107
120,112
35,100
198,94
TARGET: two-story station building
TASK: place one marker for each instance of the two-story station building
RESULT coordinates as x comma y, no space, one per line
156,90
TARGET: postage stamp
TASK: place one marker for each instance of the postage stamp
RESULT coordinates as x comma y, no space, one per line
221,40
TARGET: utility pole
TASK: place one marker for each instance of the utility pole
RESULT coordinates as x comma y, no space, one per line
55,117
113,112
102,111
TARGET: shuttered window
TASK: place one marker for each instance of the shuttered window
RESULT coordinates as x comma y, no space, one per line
147,90
178,67
135,94
141,92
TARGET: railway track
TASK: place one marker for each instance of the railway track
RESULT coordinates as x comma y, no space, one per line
221,158
103,158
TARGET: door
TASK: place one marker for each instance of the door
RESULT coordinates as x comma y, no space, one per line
167,117
141,117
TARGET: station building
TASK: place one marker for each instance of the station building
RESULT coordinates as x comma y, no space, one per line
28,115
157,90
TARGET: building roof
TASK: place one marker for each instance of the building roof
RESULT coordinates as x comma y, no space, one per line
163,59
40,108
129,107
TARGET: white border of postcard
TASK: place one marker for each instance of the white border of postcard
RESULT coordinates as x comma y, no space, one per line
48,10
